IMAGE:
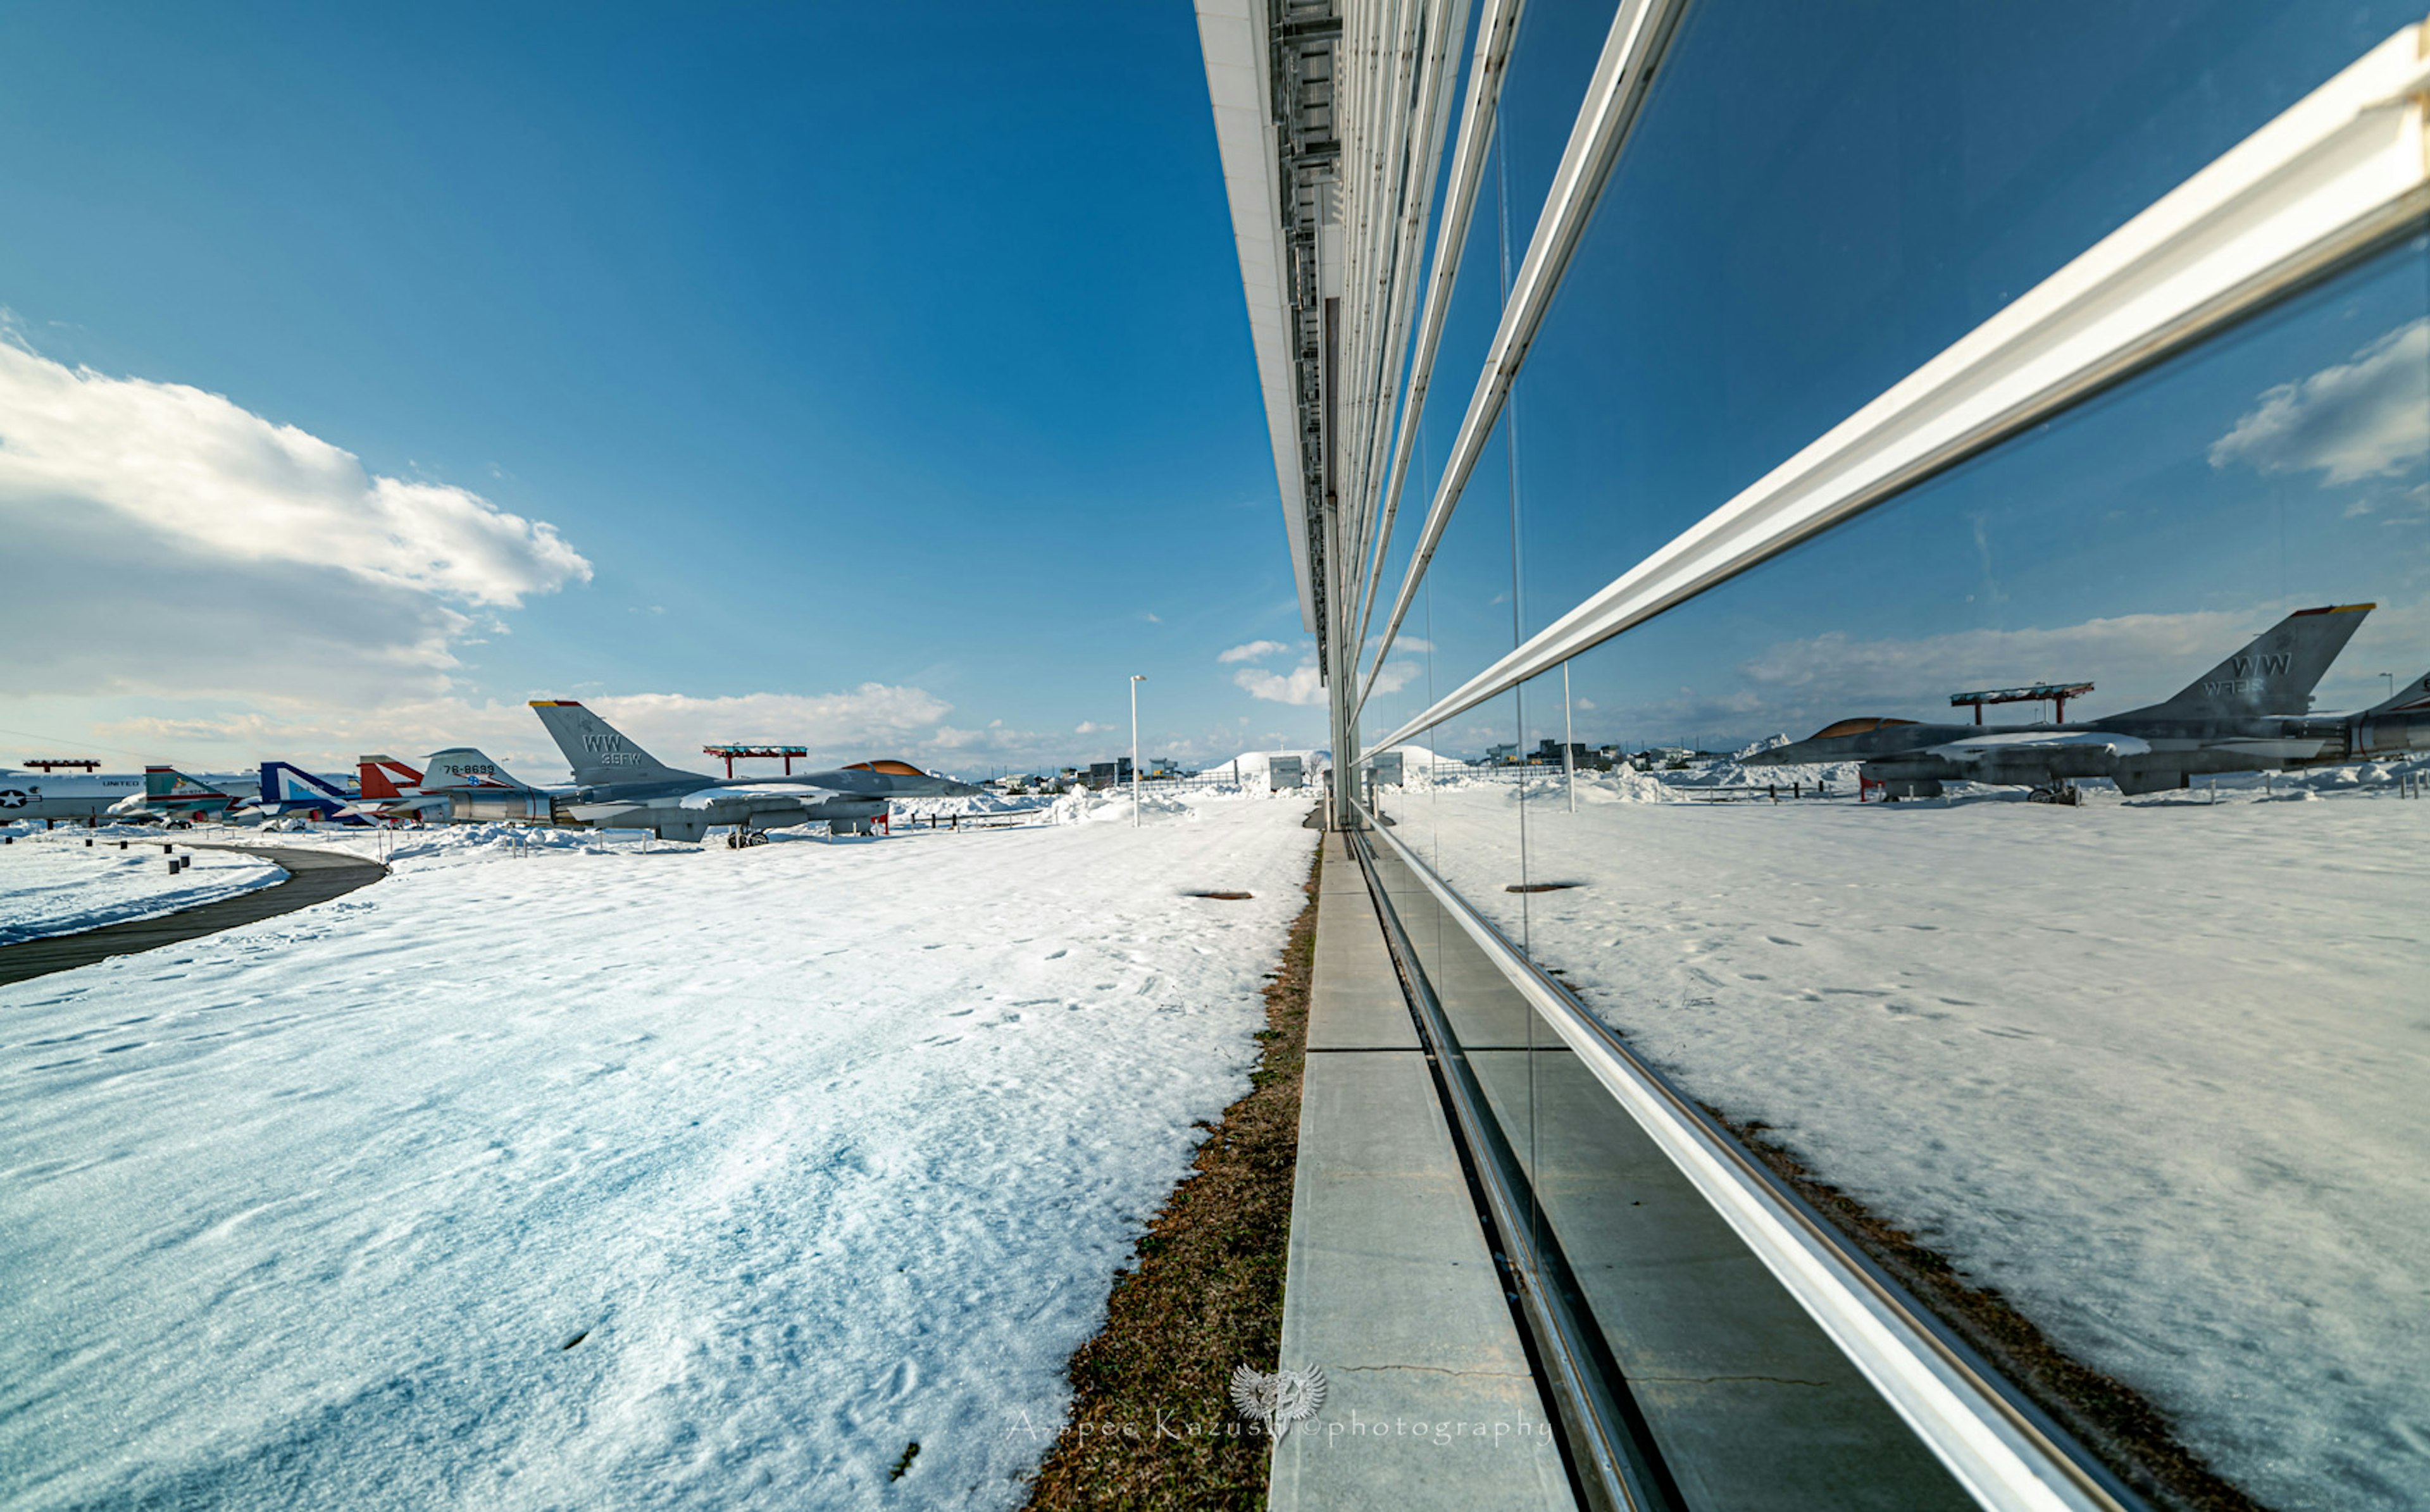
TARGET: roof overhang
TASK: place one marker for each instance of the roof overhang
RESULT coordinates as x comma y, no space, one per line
1238,39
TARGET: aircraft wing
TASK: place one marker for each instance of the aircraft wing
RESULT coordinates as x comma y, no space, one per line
2028,743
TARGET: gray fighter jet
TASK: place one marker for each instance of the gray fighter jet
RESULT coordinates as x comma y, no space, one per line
618,785
2250,713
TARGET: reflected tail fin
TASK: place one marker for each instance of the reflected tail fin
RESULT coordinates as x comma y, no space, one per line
2275,674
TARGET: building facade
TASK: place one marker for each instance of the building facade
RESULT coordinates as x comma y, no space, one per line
1671,374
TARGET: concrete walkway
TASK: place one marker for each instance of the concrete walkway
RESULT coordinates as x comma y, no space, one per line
1391,1289
312,876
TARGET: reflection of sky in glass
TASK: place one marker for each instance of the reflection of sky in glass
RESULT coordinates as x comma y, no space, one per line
2132,542
1820,198
1552,61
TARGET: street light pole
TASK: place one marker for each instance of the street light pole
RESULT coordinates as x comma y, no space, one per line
1137,678
1569,743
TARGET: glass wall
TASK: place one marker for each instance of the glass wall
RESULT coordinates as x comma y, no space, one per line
2023,873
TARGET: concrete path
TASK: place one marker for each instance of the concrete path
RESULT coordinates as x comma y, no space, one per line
312,876
1391,1291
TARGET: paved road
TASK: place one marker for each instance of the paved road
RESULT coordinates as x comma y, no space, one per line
312,876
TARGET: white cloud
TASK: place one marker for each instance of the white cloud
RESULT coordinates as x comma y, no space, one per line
2366,418
872,719
171,461
1254,650
1302,684
1396,677
1089,728
2143,655
196,558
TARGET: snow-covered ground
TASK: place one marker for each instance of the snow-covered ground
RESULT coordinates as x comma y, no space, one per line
57,885
2158,1070
817,1148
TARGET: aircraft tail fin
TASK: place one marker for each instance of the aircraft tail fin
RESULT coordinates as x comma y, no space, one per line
461,767
168,782
381,776
593,748
283,782
2276,673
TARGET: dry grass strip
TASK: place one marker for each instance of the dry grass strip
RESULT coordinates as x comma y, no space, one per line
1152,1424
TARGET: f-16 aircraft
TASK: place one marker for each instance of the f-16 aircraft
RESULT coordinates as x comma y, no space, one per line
458,786
2250,713
620,785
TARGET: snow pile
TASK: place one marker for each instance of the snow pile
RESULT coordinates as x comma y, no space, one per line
1624,785
1732,770
1113,805
2154,1072
1256,771
711,1182
57,887
981,803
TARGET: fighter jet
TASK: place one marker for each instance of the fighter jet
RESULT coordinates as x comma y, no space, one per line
2250,713
170,794
458,786
619,785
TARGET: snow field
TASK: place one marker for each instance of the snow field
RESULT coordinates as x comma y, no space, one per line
57,886
2154,1070
818,1148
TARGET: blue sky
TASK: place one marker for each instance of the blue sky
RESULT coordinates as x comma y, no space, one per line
887,372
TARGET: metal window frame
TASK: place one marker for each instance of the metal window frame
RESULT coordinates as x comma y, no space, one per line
2336,175
2000,1448
1641,29
1495,29
1428,115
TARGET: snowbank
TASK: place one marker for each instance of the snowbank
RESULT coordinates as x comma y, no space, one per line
702,1177
57,886
2154,1070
